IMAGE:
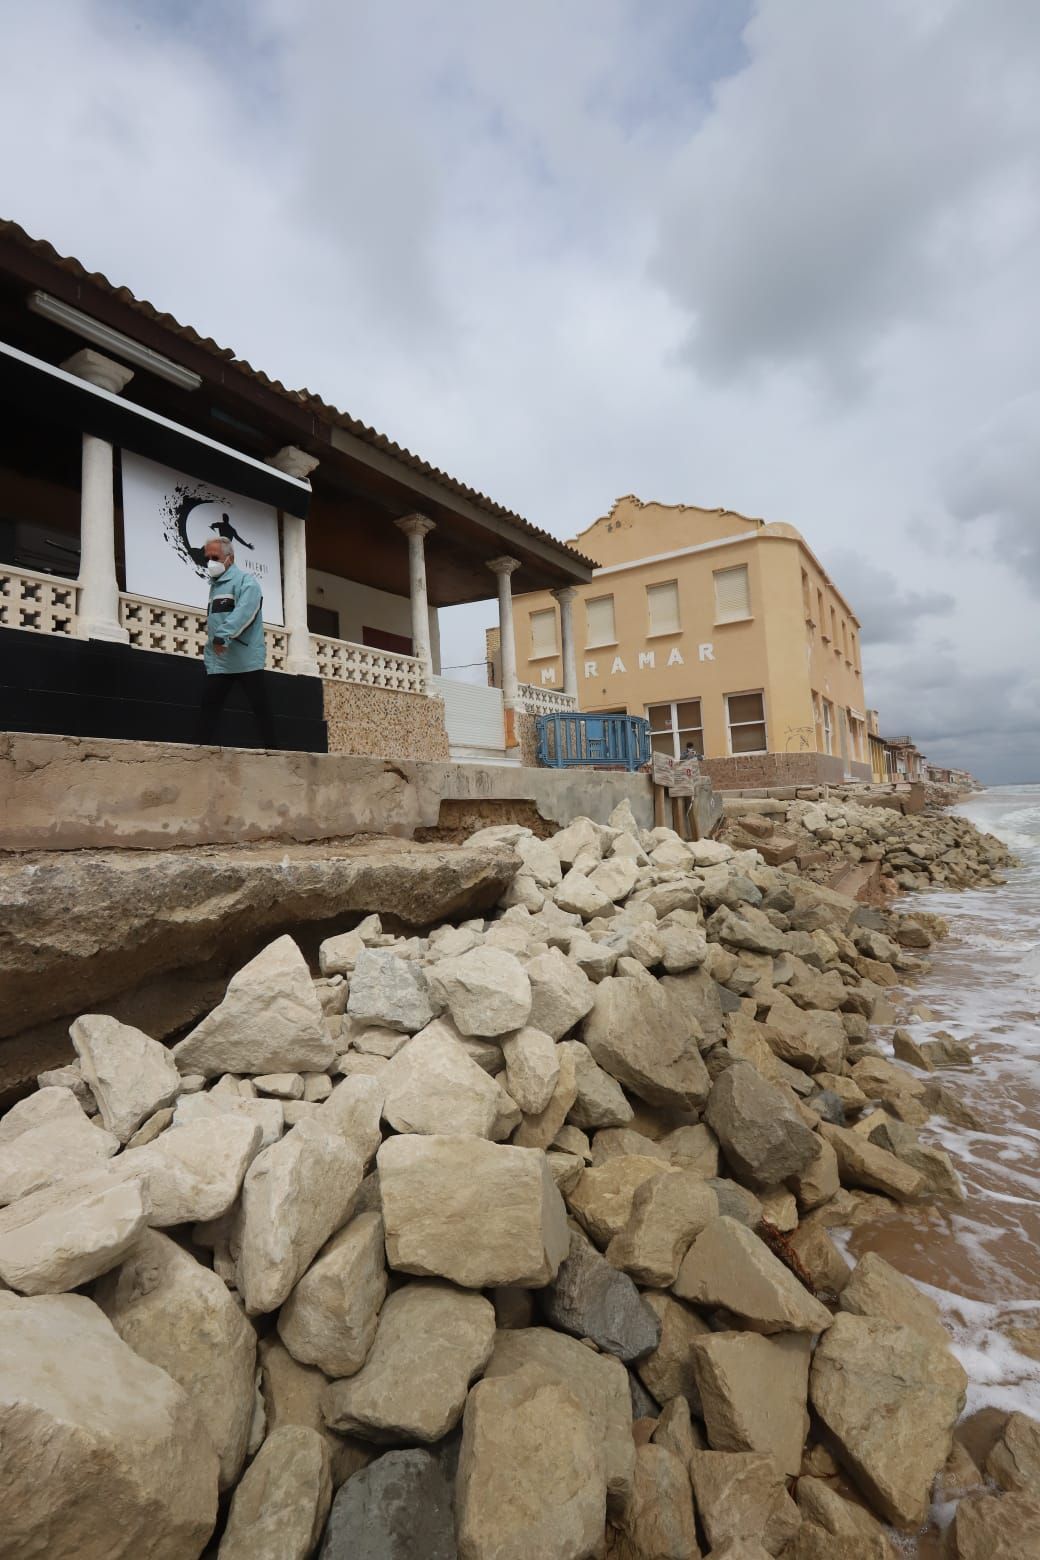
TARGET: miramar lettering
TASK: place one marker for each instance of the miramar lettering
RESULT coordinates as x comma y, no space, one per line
647,662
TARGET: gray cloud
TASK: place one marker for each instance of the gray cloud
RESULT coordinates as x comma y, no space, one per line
996,478
889,611
490,232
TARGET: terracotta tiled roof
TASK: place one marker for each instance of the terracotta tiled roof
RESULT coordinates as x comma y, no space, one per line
10,232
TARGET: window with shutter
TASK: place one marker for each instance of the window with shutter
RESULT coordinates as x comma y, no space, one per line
599,622
732,594
675,727
662,606
543,633
747,722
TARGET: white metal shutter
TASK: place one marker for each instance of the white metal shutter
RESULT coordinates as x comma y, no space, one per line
543,632
599,618
473,713
732,595
662,604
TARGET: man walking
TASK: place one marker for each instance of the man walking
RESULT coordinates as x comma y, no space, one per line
235,650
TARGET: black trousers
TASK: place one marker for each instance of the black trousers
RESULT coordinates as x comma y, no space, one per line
218,686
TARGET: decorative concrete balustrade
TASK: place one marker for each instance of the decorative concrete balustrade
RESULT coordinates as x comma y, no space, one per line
42,603
546,701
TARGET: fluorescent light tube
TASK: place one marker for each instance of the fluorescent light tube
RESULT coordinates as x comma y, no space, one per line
113,341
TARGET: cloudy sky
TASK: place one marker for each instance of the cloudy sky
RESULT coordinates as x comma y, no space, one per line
776,255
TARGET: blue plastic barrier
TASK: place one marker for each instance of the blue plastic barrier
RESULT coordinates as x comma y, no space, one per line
593,741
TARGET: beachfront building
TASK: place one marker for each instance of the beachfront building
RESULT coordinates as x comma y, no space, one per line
127,440
726,632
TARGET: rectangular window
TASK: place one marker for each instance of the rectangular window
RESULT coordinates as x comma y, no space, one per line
806,596
828,726
543,633
732,594
820,616
834,630
845,638
662,608
817,721
745,713
599,622
675,727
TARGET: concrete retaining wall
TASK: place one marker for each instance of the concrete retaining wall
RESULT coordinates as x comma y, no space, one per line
73,793
753,770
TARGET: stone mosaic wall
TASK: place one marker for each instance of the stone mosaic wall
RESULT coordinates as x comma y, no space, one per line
384,724
527,731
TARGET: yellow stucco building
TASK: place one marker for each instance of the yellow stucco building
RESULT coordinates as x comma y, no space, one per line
724,631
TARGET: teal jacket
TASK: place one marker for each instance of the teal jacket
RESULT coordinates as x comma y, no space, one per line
235,614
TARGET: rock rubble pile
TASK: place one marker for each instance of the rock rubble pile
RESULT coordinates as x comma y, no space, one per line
508,1242
919,851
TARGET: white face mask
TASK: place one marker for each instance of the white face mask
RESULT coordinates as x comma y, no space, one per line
215,568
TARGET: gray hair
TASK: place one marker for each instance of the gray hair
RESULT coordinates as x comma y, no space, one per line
226,549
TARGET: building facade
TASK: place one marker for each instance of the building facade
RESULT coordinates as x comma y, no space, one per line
128,440
724,631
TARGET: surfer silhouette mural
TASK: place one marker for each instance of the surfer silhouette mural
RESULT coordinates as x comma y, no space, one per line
186,530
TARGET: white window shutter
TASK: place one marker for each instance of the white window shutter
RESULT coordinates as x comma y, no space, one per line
732,594
543,632
599,617
662,603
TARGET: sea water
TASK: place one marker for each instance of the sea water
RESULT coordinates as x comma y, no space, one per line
980,1260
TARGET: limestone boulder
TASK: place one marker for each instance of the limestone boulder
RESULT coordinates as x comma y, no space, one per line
996,1527
933,1165
391,992
578,894
104,1458
659,1520
431,1341
743,1496
268,1115
668,1213
614,1142
540,1130
295,1195
279,1509
330,1318
354,1110
762,1136
269,1021
615,877
669,1371
1014,1462
598,1381
879,1078
561,993
602,1200
842,1519
599,1101
590,1299
398,1508
532,1068
45,1137
292,1394
65,1235
129,1074
728,1265
821,1261
878,1289
890,1396
431,1085
694,1148
862,1163
280,1086
193,1173
180,1316
531,1477
819,1181
638,1032
754,1393
486,991
479,1214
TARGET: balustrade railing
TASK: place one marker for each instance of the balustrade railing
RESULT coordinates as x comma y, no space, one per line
47,604
546,701
342,661
42,603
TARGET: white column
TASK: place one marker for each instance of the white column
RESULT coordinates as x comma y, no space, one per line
98,587
300,658
416,528
505,568
565,597
435,640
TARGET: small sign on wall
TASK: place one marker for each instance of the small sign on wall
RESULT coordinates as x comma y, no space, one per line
167,520
677,775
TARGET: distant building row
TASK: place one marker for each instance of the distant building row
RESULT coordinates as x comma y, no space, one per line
727,634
